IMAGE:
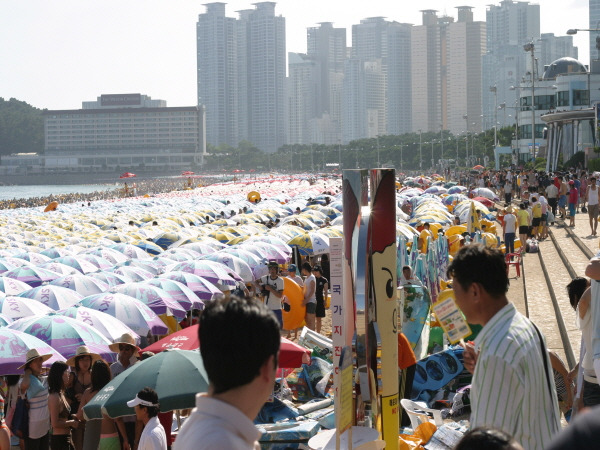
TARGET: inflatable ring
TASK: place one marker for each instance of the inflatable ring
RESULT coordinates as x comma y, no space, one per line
253,196
51,206
294,318
456,229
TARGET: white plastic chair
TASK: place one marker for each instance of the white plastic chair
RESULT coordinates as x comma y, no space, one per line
418,413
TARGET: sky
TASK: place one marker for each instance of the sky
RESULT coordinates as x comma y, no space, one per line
54,54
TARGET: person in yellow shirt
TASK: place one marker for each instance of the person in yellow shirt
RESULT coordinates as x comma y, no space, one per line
523,220
536,224
423,243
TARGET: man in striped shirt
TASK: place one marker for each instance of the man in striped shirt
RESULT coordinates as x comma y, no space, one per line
512,387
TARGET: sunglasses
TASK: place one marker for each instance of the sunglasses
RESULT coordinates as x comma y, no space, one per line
125,347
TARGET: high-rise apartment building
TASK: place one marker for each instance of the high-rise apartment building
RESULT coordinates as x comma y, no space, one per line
399,78
218,75
426,72
510,25
464,47
549,48
241,75
304,93
594,15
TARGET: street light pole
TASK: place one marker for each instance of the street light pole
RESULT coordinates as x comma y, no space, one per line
400,156
442,141
531,48
312,164
432,159
378,163
495,91
420,151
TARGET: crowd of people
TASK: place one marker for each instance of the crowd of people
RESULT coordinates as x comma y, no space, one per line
122,189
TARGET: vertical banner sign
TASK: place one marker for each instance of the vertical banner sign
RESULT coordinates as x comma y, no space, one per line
338,311
383,298
356,217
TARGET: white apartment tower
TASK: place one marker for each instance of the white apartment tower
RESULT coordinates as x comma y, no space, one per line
304,93
509,26
217,74
241,75
465,45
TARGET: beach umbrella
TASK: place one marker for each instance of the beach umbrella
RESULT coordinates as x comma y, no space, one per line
148,246
55,297
185,339
133,273
34,258
127,175
110,327
109,254
132,312
5,266
478,167
77,262
311,243
292,355
131,251
110,278
157,299
210,270
473,222
83,284
484,192
33,276
179,292
236,265
256,263
275,241
65,334
266,250
4,320
55,252
8,286
166,239
60,268
177,375
98,261
204,289
154,266
14,346
18,307
222,236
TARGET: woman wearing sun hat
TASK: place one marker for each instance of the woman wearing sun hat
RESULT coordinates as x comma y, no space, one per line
34,386
81,379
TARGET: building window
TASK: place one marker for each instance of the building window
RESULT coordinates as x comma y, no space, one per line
581,97
562,98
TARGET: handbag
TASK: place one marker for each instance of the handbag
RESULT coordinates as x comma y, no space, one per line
20,420
583,209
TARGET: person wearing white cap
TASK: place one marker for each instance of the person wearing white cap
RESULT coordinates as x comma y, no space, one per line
36,389
146,408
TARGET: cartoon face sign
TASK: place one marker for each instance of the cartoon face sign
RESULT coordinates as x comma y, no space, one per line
383,280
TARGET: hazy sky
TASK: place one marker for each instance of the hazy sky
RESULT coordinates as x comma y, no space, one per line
57,53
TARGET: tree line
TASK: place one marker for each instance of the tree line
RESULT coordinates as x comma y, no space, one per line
21,128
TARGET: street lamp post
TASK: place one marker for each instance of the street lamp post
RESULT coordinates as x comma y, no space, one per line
531,48
312,164
442,141
339,156
400,156
432,159
495,91
378,163
420,151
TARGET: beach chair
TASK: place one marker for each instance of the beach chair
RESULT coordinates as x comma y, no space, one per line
419,414
514,259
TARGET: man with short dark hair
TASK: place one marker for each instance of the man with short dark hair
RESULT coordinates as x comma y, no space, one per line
512,387
591,196
310,300
239,344
322,287
271,288
146,407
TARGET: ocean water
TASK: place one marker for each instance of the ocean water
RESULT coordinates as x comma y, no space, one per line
10,192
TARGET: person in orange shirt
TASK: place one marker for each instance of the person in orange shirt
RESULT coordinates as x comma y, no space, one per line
407,362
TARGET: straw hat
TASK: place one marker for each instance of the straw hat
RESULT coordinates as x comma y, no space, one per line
125,339
82,351
34,354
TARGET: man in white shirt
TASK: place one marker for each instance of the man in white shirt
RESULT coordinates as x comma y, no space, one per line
513,387
146,407
591,196
310,299
509,229
239,344
271,288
